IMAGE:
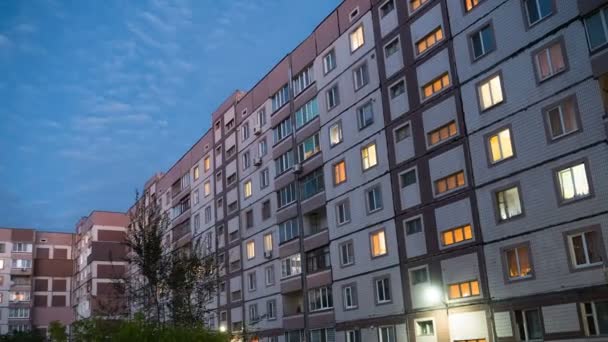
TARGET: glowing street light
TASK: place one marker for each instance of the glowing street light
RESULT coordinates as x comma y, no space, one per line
222,328
433,295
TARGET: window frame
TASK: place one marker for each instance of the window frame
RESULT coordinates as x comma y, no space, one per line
562,45
365,147
487,24
406,125
365,79
430,144
346,204
371,243
486,80
560,104
340,246
424,98
437,194
557,184
367,203
597,229
526,16
395,39
361,125
338,124
332,53
425,319
429,48
488,148
336,181
350,42
411,219
505,263
384,3
353,295
377,300
333,89
522,207
466,11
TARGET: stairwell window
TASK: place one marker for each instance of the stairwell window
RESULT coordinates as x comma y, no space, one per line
469,5
357,39
416,4
430,40
449,183
442,133
464,289
457,235
435,86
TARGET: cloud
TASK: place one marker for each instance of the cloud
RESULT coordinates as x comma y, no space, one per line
112,107
4,41
26,28
158,23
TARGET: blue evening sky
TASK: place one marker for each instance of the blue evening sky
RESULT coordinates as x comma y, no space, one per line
96,96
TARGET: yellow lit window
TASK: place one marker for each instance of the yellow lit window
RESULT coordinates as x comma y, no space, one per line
207,163
472,340
469,5
250,249
247,189
457,235
357,39
573,182
442,133
207,188
429,40
415,4
436,86
196,173
490,93
500,145
464,289
450,182
368,156
378,241
340,173
268,242
518,262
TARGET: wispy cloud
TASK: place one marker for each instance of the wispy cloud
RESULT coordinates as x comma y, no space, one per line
4,41
25,28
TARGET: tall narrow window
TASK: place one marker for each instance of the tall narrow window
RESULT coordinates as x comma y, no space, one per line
429,40
482,41
357,39
247,189
386,334
329,61
500,145
332,97
509,203
518,262
365,115
595,318
378,243
597,29
537,10
436,86
470,4
335,134
347,253
573,182
339,172
383,290
350,297
550,61
250,250
360,76
529,325
374,199
368,156
342,212
490,92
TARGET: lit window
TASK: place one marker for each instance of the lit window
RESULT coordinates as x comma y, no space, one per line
573,183
415,4
378,243
329,62
350,296
247,189
470,4
435,86
442,133
386,8
332,97
509,204
585,249
368,156
501,147
597,29
482,41
308,147
374,199
340,172
402,132
562,119
365,115
537,10
550,61
413,226
595,318
429,40
196,173
391,47
397,89
347,253
490,92
456,235
383,290
529,323
250,250
207,188
464,289
342,213
357,39
425,328
335,134
451,182
360,76
518,262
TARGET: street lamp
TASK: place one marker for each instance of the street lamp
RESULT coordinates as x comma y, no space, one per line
433,295
223,328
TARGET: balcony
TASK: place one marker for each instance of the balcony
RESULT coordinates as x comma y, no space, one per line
292,284
293,304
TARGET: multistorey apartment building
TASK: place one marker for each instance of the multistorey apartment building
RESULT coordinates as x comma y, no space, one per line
413,171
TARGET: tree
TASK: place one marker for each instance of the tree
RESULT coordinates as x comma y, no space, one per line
57,332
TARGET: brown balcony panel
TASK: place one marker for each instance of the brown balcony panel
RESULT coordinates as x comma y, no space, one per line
111,235
107,251
21,271
293,322
109,272
53,267
22,235
289,248
291,284
315,202
316,240
322,319
587,6
599,63
319,279
42,316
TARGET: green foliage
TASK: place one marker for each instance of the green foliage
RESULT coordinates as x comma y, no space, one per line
57,332
29,336
97,330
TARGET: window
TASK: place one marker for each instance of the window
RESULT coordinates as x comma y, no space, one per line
597,29
284,162
456,235
22,247
425,327
247,189
529,324
309,147
250,250
207,214
318,260
360,76
374,199
329,62
357,39
408,178
469,5
286,195
269,275
413,226
387,8
312,184
231,179
419,276
402,132
442,133
435,86
537,10
302,80
264,178
251,281
429,40
550,61
519,265
266,210
207,163
392,47
378,243
196,173
397,89
464,289
332,97
196,222
339,172
562,119
383,290
261,119
207,188
249,219
18,313
19,296
482,41
2,248
595,318
22,263
386,334
253,313
365,115
291,265
282,130
508,203
415,4
288,230
280,98
245,131
322,335
500,145
246,160
368,156
343,213
271,309
347,253
268,242
195,197
585,249
449,183
307,112
353,335
573,182
490,92
335,134
353,14
349,293
262,148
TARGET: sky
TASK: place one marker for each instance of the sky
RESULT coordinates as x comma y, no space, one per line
97,96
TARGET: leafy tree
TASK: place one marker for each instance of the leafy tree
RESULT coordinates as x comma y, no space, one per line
57,332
